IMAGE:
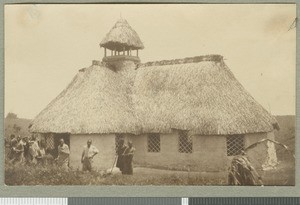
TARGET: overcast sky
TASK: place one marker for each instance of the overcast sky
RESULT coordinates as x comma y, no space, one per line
46,45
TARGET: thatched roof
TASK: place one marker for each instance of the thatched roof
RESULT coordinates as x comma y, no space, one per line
203,97
199,94
122,36
96,101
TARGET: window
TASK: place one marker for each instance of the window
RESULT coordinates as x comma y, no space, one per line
153,143
235,145
185,142
118,138
49,141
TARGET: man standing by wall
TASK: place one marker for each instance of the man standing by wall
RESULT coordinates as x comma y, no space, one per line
89,151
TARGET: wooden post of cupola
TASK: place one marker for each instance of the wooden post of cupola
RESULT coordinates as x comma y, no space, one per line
111,52
104,52
130,51
123,51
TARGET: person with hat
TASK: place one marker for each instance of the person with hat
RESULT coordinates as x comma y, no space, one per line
89,151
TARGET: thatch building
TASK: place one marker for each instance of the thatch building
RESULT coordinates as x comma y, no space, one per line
181,113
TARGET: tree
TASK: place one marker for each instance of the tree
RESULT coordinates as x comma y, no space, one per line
11,115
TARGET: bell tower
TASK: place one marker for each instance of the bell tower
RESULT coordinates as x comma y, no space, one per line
121,44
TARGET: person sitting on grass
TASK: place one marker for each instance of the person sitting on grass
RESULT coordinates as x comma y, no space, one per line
89,151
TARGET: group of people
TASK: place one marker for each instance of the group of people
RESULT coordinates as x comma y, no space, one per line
28,150
25,150
125,156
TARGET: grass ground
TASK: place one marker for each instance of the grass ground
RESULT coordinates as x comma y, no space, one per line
283,175
51,175
142,176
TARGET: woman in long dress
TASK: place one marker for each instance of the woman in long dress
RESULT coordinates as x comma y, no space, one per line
128,156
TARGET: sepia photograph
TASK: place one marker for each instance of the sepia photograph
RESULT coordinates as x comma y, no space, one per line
150,94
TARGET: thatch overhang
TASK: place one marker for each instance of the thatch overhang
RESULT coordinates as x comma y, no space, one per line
122,36
198,94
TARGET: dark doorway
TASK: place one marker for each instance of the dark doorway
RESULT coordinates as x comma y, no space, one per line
57,137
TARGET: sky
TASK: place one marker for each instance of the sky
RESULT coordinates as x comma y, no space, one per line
46,45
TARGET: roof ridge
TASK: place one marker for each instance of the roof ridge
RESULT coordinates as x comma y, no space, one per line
195,59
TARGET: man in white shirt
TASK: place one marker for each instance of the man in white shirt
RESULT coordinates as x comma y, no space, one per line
63,155
89,151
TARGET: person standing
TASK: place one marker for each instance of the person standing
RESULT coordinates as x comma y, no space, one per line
63,155
33,149
128,156
11,143
18,151
27,156
41,153
120,151
89,151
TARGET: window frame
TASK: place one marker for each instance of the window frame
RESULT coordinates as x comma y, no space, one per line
184,133
237,152
148,139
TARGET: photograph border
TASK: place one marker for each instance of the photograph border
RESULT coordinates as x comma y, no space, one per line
145,191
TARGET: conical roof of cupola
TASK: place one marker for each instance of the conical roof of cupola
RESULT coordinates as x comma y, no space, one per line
121,37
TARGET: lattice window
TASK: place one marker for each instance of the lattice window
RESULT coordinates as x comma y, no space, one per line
49,140
118,138
185,142
235,145
153,143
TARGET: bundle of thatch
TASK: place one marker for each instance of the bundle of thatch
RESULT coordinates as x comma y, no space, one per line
241,172
122,36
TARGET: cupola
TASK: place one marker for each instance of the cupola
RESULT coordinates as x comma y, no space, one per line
122,43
